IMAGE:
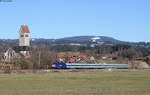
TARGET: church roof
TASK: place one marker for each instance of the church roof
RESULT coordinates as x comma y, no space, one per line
25,29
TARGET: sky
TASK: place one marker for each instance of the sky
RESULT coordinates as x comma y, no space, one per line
126,20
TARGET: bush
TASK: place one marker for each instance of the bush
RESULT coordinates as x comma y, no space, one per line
7,69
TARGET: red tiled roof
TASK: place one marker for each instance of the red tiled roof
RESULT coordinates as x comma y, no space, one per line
25,29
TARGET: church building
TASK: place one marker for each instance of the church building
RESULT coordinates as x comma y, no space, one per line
23,46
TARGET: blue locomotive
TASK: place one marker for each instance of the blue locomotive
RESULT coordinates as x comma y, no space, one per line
88,66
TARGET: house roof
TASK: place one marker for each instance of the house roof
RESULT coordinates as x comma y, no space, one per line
25,29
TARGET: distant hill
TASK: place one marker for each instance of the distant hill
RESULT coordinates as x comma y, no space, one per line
88,40
78,40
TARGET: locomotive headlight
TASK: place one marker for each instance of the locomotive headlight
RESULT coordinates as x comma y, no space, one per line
53,65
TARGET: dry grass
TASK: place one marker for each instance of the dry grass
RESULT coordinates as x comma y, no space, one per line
79,83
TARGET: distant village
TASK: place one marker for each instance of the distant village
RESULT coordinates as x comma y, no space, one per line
40,55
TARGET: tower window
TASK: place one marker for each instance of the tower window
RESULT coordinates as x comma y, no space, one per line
26,35
22,36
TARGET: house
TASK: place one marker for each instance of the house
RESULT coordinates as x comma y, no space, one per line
112,57
76,58
140,58
9,54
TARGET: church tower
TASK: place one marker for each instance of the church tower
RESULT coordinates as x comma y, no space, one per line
24,36
24,40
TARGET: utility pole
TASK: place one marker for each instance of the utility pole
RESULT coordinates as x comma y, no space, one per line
39,58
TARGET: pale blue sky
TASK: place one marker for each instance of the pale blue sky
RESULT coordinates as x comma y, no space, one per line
127,20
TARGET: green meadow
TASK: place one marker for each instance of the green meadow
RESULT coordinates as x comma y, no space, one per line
77,83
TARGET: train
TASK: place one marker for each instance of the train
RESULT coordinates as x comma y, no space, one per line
89,66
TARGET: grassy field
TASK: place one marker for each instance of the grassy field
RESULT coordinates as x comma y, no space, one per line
77,83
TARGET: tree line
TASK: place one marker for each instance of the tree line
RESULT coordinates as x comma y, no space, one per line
42,55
